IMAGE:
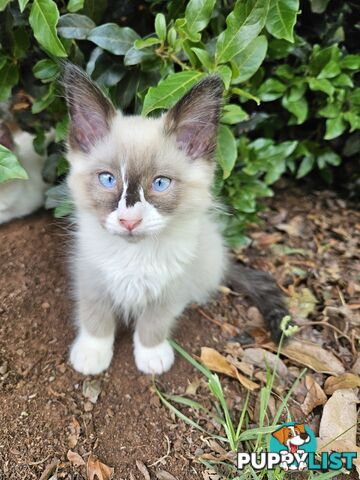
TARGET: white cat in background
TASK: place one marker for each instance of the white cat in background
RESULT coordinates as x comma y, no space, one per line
21,197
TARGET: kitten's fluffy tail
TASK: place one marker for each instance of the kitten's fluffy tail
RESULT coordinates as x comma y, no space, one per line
262,290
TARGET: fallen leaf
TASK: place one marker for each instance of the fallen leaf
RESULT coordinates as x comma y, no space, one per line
302,303
75,458
50,470
218,363
294,228
74,434
263,240
91,390
95,468
163,475
315,395
356,367
192,387
313,356
339,417
344,381
261,357
143,470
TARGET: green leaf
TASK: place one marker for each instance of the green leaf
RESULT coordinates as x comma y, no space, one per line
321,57
343,80
226,151
328,158
160,26
250,59
243,25
114,39
299,108
9,76
146,42
318,6
22,4
306,166
10,167
351,62
225,73
330,70
282,18
46,70
354,120
4,4
43,102
44,16
61,129
271,89
75,26
233,114
334,127
204,58
134,56
170,90
245,94
331,110
75,5
322,85
198,14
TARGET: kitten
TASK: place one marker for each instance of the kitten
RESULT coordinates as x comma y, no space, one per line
21,197
147,243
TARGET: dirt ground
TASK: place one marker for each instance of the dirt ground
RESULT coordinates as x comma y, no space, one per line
45,409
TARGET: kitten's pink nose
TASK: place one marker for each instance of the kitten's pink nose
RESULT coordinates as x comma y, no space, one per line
130,224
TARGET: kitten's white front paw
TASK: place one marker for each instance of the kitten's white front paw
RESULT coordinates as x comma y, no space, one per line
91,355
153,360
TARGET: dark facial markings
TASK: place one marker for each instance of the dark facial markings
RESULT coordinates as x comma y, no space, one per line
132,192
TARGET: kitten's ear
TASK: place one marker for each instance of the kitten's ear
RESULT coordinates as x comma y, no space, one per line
6,138
194,119
90,111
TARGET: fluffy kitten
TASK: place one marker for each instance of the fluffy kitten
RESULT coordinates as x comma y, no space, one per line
147,243
21,197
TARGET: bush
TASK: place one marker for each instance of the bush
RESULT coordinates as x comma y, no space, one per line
291,103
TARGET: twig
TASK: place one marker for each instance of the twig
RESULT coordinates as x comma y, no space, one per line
325,324
164,456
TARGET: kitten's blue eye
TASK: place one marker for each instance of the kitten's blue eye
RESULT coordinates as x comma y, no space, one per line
107,180
160,184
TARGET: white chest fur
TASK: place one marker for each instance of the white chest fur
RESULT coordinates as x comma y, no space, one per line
135,274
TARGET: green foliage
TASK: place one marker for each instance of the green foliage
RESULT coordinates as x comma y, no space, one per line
290,73
9,166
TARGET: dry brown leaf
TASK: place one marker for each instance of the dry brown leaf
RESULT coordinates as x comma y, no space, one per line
261,357
163,475
74,435
97,470
315,395
339,417
192,387
263,240
302,303
75,458
313,356
356,367
294,228
344,381
143,470
218,363
91,390
340,446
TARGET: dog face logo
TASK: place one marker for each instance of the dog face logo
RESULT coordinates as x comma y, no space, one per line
293,441
292,436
